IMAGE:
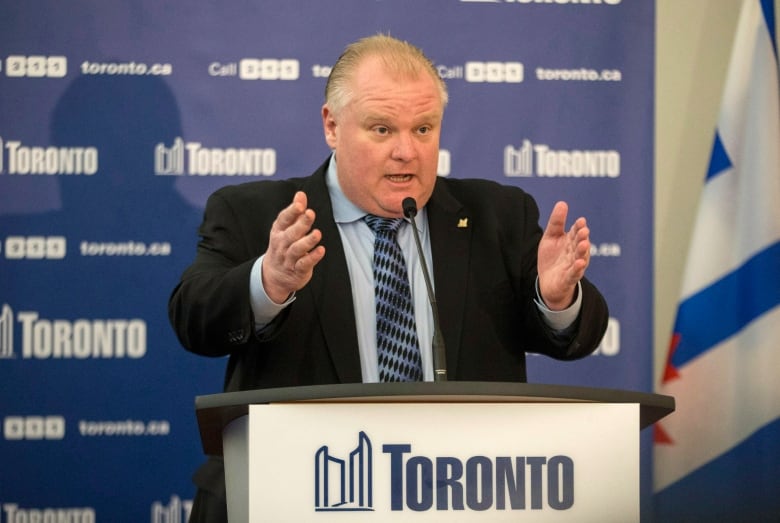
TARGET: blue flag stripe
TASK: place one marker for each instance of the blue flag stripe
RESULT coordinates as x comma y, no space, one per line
719,159
724,308
768,8
742,481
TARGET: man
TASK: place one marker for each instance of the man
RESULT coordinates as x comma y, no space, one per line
283,280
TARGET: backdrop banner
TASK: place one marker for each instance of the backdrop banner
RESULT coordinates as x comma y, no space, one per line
118,119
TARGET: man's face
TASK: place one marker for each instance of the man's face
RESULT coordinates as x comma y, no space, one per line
386,139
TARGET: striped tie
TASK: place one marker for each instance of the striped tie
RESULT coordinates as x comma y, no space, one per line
398,351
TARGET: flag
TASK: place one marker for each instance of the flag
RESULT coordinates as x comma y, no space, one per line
717,458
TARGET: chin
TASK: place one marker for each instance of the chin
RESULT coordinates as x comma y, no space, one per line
391,208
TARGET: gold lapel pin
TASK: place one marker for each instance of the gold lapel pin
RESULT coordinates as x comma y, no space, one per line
463,223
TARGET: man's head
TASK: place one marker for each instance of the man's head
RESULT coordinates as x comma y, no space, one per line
384,103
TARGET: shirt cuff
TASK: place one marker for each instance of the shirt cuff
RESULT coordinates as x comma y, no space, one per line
263,308
559,320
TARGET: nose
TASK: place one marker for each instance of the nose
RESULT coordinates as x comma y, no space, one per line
404,148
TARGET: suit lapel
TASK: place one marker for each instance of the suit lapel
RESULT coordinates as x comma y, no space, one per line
329,286
451,251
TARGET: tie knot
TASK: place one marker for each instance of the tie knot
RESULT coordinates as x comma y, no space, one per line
382,225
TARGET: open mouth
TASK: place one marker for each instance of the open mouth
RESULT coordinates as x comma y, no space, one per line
399,178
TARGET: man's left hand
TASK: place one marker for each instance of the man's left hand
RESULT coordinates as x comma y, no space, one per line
562,258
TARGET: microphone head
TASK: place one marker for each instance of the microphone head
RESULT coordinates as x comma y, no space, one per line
410,207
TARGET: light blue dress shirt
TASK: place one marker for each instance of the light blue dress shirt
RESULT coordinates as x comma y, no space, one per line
358,241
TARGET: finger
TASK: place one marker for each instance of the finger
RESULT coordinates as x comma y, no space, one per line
290,214
307,263
301,247
582,258
581,226
298,229
557,222
579,234
291,227
300,199
582,238
583,249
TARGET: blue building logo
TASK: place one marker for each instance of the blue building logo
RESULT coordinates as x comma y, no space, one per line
344,485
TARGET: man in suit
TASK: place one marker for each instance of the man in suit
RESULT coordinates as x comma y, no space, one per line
283,282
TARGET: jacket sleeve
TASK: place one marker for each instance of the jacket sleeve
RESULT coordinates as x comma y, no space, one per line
210,307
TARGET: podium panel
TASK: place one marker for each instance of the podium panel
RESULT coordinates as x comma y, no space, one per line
464,462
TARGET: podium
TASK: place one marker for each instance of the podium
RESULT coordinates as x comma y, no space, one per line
448,451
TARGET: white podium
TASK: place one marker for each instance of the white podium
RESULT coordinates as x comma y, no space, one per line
452,451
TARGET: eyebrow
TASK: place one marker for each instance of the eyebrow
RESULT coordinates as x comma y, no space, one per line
431,116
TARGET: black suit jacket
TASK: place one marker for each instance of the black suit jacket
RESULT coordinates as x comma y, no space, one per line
484,239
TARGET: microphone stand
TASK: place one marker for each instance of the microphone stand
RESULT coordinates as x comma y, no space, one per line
439,352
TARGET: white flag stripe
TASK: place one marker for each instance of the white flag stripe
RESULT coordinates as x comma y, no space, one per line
724,408
723,215
715,219
751,82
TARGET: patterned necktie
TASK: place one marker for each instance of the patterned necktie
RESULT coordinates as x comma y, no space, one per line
398,351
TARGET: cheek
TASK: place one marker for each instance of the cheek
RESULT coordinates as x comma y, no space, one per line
367,160
431,152
356,172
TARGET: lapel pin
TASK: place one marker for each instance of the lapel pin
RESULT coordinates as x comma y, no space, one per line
463,223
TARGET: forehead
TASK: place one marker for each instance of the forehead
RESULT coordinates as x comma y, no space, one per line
374,82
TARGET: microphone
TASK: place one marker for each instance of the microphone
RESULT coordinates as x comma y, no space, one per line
439,353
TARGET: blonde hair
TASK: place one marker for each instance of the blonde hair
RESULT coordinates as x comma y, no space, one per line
400,57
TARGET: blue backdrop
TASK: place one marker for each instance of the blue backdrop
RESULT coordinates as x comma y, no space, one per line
118,119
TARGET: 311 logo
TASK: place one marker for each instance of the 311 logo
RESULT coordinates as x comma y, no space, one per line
36,66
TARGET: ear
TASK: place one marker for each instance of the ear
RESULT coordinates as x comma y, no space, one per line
329,126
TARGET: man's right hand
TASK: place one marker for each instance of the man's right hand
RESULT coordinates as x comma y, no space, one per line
293,250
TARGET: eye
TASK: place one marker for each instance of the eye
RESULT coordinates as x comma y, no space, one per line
424,129
381,130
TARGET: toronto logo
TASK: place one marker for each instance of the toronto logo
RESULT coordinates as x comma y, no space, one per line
344,484
6,332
